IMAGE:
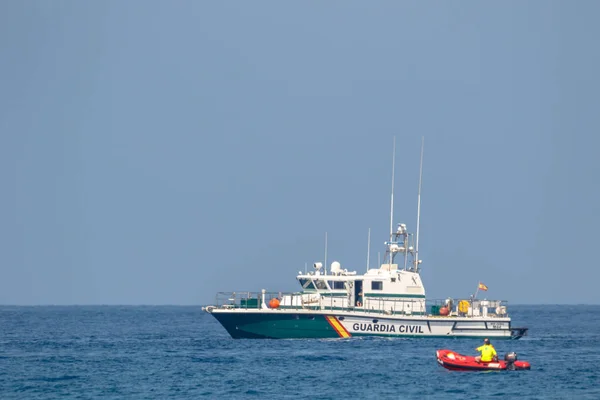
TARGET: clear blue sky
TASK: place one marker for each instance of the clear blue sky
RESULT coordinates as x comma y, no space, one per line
158,152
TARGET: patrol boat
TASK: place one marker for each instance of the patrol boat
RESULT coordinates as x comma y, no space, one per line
385,301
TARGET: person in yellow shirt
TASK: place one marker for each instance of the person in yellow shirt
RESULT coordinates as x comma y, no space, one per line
488,352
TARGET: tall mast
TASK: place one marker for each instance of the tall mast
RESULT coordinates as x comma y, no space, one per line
392,197
392,200
368,249
419,207
325,254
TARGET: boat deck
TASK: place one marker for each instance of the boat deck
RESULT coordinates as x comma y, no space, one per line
258,301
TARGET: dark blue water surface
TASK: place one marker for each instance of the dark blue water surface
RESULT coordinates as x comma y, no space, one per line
182,353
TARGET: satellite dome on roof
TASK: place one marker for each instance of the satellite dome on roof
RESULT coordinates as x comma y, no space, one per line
335,267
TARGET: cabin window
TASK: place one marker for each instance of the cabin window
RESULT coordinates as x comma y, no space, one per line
321,284
306,283
376,285
336,285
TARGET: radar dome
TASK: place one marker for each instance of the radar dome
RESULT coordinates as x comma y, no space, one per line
335,267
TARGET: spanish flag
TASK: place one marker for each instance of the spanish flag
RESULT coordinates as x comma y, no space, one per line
482,286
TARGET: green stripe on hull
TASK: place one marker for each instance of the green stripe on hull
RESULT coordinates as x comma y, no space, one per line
431,336
276,326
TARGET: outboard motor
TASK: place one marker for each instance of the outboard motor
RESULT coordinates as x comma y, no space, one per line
510,359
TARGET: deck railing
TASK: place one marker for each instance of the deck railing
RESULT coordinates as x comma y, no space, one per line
373,305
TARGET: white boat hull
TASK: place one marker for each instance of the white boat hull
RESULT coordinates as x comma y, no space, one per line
261,323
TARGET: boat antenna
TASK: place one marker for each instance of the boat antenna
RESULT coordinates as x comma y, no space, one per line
368,249
419,207
325,253
392,198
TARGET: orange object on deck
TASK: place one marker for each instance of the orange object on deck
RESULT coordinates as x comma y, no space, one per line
444,311
274,303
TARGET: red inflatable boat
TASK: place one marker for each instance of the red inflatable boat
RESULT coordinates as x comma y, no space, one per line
457,362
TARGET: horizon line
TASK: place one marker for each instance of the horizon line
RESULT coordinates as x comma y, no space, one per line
208,304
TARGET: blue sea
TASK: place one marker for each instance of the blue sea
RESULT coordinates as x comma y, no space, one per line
166,352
